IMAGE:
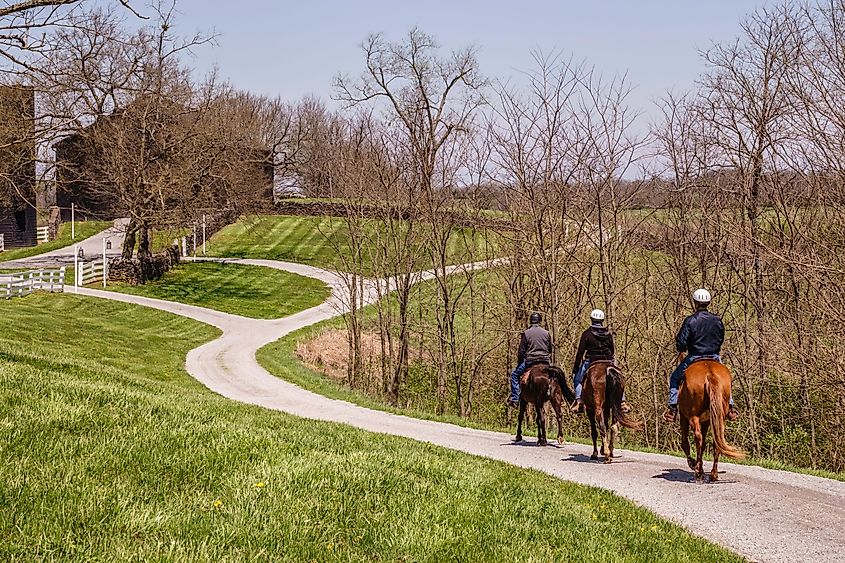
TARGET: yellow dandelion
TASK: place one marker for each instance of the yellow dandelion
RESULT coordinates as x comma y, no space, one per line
218,503
260,485
330,546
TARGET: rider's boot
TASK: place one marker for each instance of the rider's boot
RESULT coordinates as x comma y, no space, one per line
577,406
625,408
671,413
511,403
733,414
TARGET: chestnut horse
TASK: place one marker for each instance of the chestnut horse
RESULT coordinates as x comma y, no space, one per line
604,386
540,384
703,400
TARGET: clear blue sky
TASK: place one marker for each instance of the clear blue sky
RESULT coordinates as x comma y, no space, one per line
296,48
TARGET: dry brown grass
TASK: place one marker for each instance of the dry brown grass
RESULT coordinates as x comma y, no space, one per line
328,353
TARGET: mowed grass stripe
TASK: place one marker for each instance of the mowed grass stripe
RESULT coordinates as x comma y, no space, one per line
319,240
111,452
250,291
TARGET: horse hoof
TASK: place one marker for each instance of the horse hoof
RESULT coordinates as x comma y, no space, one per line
714,477
699,479
542,443
607,460
594,457
518,439
691,463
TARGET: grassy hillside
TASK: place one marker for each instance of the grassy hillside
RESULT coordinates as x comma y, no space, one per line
250,291
84,229
314,240
108,458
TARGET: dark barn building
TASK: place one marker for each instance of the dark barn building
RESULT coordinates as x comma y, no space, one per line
78,170
18,220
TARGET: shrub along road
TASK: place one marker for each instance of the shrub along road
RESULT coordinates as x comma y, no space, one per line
763,514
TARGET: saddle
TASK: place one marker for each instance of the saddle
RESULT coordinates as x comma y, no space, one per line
523,380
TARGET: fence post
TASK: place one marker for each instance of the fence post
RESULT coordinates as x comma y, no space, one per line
203,234
62,278
72,222
105,263
2,242
75,264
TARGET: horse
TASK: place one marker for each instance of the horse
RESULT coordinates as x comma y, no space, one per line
703,400
543,383
604,386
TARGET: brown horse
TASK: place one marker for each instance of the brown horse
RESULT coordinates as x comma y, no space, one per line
702,401
543,383
604,386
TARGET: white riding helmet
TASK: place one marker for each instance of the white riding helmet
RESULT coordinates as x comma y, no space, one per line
701,296
597,315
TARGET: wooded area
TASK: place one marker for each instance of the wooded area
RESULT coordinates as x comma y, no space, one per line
744,175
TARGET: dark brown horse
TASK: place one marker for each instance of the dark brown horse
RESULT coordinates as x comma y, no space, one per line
540,384
604,386
703,400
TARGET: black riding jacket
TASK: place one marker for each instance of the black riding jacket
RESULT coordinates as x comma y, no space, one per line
535,346
702,334
596,344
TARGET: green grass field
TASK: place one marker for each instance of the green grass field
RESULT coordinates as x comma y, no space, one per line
109,458
250,291
84,229
309,240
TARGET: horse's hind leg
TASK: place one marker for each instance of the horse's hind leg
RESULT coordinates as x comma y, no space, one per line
522,405
559,416
603,430
714,471
540,409
699,449
685,441
593,433
614,435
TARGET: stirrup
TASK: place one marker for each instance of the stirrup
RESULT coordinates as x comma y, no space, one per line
733,414
577,406
625,408
669,415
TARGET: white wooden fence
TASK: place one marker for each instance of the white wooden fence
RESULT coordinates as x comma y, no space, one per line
90,272
43,234
18,284
2,242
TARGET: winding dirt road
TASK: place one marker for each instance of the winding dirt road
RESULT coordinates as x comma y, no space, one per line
762,514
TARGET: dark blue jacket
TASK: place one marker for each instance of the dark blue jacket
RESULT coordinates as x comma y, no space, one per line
702,334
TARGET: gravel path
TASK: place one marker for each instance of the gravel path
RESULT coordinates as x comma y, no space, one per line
762,514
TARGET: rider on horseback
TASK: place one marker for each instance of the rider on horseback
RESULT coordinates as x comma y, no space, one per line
535,347
701,337
596,344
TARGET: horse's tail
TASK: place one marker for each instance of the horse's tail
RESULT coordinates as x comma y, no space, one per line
558,374
613,389
717,415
